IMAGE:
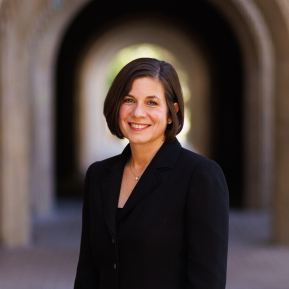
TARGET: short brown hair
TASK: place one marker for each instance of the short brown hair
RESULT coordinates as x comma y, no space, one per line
122,84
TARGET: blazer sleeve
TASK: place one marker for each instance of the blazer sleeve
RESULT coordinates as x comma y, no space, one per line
207,222
86,275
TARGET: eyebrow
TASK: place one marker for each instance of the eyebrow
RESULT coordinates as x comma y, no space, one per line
150,96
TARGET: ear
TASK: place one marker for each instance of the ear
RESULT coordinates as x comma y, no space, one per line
176,105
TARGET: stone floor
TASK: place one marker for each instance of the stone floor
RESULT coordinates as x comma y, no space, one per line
254,263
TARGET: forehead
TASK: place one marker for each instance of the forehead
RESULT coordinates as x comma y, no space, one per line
147,86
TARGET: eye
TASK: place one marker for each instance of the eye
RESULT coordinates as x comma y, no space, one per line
128,100
151,102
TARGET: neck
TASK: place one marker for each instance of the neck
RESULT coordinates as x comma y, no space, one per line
142,154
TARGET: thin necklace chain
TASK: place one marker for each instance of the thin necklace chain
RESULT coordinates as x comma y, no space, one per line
136,177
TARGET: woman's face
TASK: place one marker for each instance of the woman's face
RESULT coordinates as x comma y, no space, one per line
143,114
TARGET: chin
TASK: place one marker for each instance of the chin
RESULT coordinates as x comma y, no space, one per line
138,140
145,139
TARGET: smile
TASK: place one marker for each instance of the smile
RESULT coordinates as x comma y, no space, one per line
138,127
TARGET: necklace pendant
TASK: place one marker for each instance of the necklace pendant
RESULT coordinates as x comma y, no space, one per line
136,178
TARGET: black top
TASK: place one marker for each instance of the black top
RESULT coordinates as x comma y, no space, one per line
118,212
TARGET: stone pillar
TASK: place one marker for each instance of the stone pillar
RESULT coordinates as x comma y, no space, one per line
30,32
278,16
52,18
15,141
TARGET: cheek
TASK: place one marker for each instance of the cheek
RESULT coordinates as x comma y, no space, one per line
123,112
159,117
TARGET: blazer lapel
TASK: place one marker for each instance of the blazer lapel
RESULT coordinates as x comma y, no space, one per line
111,188
152,177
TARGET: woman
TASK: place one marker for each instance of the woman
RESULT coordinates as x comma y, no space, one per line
155,216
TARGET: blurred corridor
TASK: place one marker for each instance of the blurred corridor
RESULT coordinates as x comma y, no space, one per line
254,263
57,60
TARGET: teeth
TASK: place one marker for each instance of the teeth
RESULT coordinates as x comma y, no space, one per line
138,125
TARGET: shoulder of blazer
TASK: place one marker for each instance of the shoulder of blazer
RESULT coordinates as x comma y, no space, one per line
192,157
194,160
103,166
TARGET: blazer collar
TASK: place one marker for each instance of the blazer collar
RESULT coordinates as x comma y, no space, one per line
150,179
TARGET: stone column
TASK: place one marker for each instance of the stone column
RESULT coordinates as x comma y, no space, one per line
15,139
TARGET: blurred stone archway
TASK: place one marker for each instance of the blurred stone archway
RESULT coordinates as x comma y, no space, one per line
30,37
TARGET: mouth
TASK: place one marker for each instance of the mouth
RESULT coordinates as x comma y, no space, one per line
138,126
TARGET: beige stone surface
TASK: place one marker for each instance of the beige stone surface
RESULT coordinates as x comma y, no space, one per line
26,125
275,16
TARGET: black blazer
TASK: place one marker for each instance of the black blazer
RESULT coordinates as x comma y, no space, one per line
172,232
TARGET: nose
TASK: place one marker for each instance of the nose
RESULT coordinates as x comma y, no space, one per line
139,111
